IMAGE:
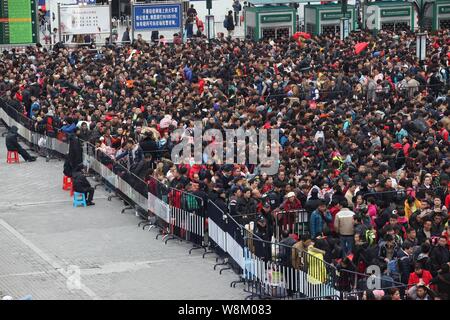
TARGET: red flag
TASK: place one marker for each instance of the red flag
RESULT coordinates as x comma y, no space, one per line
359,47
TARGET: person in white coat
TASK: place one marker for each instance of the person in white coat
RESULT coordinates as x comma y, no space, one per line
344,226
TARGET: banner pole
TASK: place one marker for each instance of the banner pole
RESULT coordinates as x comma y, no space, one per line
181,21
36,27
132,22
59,22
111,24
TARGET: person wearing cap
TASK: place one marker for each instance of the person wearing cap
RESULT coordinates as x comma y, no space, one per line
288,210
82,185
12,144
274,196
266,212
262,246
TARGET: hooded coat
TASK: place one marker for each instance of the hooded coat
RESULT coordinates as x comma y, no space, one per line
75,156
11,139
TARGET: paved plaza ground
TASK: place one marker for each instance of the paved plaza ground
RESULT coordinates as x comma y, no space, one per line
44,240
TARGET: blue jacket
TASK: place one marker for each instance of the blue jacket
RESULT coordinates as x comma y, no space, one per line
188,73
69,128
317,221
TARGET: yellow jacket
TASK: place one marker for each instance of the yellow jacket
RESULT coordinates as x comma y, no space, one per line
317,272
410,209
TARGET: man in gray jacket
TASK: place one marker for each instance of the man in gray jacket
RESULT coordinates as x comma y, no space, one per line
344,226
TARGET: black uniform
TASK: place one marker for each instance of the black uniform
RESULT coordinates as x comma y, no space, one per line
13,145
82,185
75,156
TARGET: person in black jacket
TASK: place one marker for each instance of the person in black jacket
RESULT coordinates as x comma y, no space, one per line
82,185
405,262
442,280
230,23
226,177
13,145
313,202
440,254
262,240
245,207
274,196
75,156
424,233
220,200
149,145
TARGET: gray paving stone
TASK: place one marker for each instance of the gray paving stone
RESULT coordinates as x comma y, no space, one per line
42,235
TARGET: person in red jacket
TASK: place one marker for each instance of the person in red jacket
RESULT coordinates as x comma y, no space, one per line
419,276
288,207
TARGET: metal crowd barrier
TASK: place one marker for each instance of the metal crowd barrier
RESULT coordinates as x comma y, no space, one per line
117,177
221,225
184,216
277,271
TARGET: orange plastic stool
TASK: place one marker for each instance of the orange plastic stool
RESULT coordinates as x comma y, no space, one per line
67,183
12,157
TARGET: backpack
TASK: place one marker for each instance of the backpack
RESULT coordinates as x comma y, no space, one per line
225,23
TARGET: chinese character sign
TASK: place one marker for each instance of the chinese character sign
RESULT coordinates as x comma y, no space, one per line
85,19
157,17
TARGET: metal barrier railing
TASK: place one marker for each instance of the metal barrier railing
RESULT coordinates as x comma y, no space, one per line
277,270
185,216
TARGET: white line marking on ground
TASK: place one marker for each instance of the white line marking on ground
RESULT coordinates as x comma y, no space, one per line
53,262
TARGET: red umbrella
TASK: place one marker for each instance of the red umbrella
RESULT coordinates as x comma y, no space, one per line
303,35
359,47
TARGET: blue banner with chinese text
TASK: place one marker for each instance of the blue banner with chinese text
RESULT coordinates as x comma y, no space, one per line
157,17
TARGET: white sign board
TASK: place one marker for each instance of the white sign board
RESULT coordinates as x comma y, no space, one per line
52,5
85,19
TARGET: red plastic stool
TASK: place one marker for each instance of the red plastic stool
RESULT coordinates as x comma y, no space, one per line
71,190
67,183
12,157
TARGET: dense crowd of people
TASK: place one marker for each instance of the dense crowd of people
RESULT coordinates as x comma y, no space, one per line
364,136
